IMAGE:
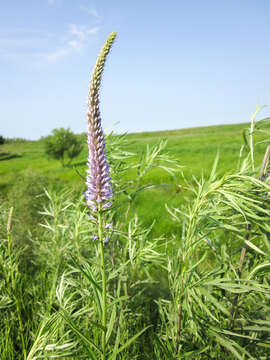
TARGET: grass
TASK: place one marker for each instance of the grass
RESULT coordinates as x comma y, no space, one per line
199,144
177,285
194,148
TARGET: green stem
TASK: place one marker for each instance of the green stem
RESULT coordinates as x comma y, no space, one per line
13,284
180,314
251,141
104,295
244,248
251,134
265,163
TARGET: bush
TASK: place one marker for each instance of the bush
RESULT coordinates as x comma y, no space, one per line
15,140
2,140
61,144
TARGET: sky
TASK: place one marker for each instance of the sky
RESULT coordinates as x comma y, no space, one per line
175,64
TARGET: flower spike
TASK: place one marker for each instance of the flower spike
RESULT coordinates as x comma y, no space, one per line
98,181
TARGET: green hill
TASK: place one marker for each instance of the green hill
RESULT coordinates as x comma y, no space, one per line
194,148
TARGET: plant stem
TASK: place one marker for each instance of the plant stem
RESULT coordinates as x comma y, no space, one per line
240,268
104,295
265,162
251,140
251,132
13,284
244,248
179,321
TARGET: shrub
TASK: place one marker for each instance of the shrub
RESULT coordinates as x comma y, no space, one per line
61,144
15,140
2,140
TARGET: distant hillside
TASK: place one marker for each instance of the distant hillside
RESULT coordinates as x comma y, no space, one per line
195,148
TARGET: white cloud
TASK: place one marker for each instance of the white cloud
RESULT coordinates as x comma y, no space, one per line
81,33
77,32
57,54
92,31
75,44
45,47
90,11
78,37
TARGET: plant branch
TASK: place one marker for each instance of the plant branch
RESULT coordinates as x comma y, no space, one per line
179,321
244,248
104,294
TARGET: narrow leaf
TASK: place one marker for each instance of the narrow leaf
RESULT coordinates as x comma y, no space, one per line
130,341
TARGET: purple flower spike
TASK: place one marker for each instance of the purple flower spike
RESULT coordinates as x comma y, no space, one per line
98,181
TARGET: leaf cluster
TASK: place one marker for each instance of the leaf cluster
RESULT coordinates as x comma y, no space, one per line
63,144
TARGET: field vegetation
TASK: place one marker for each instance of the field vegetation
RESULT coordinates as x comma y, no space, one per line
173,263
195,148
179,224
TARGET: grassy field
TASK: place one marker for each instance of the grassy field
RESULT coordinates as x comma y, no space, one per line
194,148
194,285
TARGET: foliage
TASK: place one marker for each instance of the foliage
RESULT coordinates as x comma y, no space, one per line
61,144
15,140
214,302
2,140
57,316
194,148
188,288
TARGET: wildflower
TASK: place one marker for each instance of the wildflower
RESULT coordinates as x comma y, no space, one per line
99,187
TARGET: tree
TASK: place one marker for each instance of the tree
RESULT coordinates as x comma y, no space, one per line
63,144
2,140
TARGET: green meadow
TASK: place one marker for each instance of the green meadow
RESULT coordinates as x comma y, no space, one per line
194,149
179,268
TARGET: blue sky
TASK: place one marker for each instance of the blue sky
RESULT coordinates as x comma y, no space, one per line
175,63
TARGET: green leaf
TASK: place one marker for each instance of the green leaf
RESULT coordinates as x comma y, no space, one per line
229,345
88,344
117,340
195,352
214,301
130,341
257,328
111,324
203,307
254,247
257,268
227,332
88,276
97,289
117,300
165,350
198,263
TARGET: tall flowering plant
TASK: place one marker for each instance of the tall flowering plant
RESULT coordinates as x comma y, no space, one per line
99,187
99,195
